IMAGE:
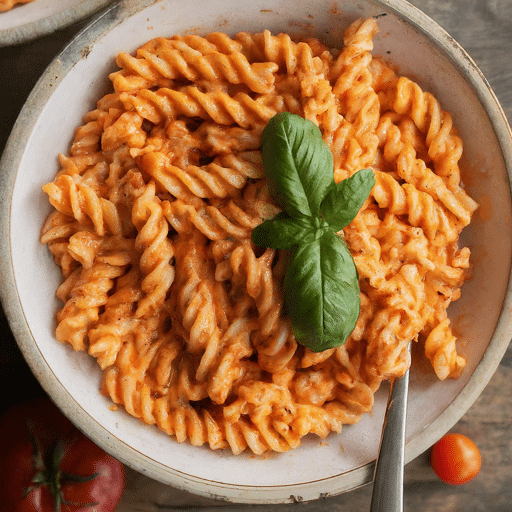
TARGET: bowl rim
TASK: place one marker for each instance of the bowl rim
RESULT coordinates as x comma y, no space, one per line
46,25
9,164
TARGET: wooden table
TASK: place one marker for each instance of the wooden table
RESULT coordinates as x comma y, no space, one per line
484,29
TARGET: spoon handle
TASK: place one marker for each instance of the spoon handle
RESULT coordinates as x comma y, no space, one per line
389,470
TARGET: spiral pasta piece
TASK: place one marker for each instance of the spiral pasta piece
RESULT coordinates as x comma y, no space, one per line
354,112
195,299
72,198
441,350
217,223
110,331
161,61
156,251
88,293
445,146
167,104
221,178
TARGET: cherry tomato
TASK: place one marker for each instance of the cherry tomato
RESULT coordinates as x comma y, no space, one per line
48,465
455,459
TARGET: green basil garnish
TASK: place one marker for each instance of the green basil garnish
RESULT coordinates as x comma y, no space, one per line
322,292
345,199
283,231
321,286
297,163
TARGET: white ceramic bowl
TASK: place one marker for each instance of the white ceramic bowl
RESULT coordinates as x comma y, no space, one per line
40,17
29,278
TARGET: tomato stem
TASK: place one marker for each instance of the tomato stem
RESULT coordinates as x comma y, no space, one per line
48,473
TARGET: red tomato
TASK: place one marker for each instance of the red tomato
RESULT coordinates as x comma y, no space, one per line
455,459
48,465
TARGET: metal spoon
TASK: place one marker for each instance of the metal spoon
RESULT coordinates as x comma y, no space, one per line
388,480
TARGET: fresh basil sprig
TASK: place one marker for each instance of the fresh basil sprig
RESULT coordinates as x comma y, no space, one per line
321,286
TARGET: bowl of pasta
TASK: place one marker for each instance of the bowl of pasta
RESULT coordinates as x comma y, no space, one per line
221,328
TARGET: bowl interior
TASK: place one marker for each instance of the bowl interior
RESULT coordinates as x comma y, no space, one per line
339,462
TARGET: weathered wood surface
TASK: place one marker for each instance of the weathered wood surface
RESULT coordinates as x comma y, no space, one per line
484,29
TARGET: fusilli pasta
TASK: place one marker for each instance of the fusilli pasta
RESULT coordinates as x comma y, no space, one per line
154,209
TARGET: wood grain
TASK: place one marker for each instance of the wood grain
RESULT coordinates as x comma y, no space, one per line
484,29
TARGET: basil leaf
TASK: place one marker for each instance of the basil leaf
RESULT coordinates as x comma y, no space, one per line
297,163
283,231
344,200
322,292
